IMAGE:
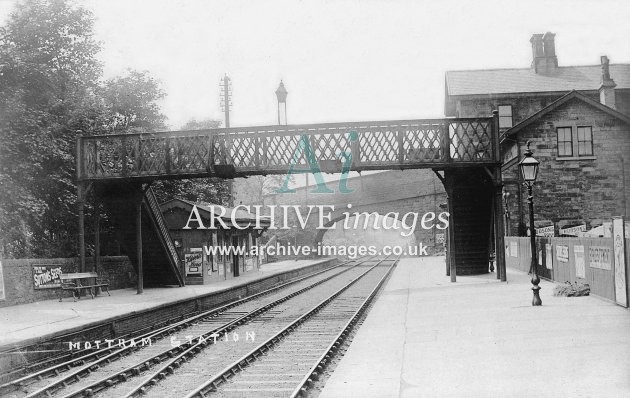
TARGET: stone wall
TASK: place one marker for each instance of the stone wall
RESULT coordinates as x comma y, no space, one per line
522,107
20,288
570,191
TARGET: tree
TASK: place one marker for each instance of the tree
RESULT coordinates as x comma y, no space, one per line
48,91
132,103
252,190
194,124
213,190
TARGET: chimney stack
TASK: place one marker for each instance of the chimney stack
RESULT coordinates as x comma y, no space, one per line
544,59
537,50
549,42
607,87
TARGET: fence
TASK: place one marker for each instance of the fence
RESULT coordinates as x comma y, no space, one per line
588,260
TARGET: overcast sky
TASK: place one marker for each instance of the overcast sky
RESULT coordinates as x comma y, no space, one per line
340,60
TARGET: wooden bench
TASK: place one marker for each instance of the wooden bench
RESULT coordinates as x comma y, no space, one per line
76,282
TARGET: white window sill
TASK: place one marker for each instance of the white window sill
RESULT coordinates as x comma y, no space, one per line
560,158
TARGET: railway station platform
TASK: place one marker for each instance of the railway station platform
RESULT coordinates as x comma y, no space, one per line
33,323
428,337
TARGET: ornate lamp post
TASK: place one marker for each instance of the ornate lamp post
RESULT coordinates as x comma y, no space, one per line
529,170
281,94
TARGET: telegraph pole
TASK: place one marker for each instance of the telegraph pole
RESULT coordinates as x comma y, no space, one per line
226,98
226,106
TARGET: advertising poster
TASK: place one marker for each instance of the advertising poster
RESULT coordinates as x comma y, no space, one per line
2,294
562,253
599,257
514,249
548,256
194,263
46,276
619,245
580,268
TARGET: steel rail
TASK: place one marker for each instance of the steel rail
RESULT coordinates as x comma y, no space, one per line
185,347
245,360
108,355
325,358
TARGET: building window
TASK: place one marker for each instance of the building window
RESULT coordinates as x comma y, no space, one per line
565,141
575,142
505,116
585,141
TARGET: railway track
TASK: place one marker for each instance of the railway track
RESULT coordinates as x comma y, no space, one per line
287,363
97,370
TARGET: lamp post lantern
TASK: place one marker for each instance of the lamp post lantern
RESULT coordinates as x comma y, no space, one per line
529,171
281,94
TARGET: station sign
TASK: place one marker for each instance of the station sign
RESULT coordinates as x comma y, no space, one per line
573,231
547,231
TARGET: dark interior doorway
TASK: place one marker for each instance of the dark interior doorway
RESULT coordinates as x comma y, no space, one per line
235,262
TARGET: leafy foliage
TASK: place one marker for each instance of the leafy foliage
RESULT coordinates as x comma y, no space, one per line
252,190
48,85
51,91
132,102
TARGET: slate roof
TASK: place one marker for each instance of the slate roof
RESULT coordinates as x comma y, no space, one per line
211,208
525,80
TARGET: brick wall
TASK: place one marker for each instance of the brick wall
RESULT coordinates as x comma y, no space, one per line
592,189
19,285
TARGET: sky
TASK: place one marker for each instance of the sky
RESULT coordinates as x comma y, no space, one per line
343,60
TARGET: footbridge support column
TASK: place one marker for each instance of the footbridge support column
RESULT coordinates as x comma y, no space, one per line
470,193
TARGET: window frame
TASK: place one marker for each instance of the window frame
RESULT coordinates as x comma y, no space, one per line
581,141
511,116
571,141
575,143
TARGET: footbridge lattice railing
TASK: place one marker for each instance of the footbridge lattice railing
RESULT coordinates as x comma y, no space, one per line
434,143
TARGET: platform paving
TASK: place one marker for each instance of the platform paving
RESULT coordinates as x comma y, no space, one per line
428,337
27,322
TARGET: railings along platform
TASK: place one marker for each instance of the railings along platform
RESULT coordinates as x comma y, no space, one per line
233,152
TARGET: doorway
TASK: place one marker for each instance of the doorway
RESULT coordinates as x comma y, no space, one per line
235,262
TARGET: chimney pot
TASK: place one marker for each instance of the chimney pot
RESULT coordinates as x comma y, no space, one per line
544,58
549,44
607,87
605,68
537,45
